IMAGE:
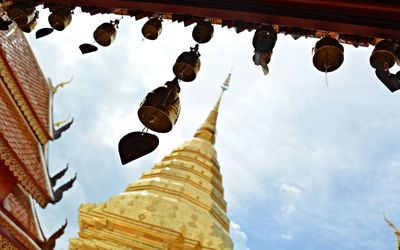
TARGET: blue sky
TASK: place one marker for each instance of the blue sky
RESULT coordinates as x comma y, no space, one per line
304,165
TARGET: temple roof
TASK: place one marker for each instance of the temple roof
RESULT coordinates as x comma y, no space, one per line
24,79
21,150
21,210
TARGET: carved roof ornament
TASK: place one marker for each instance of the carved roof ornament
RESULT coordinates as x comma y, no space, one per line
58,194
59,175
396,232
50,243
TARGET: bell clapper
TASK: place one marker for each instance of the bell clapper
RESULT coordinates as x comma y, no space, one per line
326,76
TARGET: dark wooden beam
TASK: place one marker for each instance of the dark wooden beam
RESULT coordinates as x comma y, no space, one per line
365,18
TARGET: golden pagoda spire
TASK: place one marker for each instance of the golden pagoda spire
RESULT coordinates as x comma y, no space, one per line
207,130
178,204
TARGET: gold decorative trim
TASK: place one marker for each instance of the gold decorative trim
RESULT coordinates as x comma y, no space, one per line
15,166
17,233
7,77
5,244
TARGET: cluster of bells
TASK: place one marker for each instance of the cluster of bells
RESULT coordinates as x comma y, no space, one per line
160,109
105,34
328,55
24,14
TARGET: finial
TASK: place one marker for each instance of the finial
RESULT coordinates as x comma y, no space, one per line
225,84
208,129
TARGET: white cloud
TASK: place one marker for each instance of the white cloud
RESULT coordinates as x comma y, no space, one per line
286,236
289,189
238,236
288,209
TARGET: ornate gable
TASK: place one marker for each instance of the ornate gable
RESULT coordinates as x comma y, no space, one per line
23,77
21,151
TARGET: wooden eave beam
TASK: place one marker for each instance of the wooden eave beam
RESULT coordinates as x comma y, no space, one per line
365,18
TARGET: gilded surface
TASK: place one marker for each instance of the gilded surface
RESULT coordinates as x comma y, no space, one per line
5,244
15,166
178,204
22,103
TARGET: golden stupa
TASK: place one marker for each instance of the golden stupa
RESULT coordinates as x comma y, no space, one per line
178,204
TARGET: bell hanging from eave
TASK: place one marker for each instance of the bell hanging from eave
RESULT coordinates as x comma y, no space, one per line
160,109
27,28
187,65
105,33
397,52
152,28
382,56
59,19
264,42
264,38
327,54
21,12
203,32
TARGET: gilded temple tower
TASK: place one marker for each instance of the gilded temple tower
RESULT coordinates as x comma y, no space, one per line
178,204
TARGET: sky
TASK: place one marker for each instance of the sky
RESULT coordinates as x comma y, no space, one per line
305,165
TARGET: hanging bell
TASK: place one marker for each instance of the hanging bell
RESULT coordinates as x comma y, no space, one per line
264,38
327,54
203,32
382,56
21,12
152,28
397,53
60,19
187,65
27,28
105,33
160,109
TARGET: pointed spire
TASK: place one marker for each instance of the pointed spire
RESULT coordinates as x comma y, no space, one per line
207,131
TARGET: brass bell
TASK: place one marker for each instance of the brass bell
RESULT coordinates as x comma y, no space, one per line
27,28
382,56
105,33
160,109
152,28
264,42
21,12
187,65
327,54
60,19
203,32
264,39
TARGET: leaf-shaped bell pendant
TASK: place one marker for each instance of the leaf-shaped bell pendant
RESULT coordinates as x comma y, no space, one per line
135,145
382,56
203,32
327,54
105,33
59,19
21,12
187,65
160,109
152,28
